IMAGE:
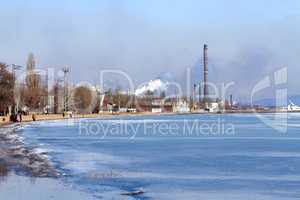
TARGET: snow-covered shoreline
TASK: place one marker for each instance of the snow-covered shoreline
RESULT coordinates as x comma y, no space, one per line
19,159
27,173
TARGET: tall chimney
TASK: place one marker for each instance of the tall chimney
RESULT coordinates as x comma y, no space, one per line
205,84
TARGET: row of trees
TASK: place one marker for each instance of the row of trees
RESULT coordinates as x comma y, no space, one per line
33,94
14,95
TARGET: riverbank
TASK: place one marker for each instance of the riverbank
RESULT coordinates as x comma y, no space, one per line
43,117
16,157
27,174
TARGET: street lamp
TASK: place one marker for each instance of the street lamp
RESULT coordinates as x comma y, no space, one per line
15,67
65,71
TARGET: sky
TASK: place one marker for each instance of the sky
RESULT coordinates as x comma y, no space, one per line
247,40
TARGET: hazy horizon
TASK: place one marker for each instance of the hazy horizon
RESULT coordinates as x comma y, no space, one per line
247,40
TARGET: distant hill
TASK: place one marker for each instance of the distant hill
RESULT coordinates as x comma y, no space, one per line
270,102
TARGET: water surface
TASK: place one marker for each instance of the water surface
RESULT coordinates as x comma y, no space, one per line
202,157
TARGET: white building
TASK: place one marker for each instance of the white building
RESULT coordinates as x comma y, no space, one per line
156,110
181,106
214,107
291,108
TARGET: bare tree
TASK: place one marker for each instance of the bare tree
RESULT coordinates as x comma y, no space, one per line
33,92
83,99
6,88
121,99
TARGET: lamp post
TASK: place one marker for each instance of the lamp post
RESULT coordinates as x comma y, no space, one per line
65,71
15,67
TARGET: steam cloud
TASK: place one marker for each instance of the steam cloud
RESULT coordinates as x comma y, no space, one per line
152,86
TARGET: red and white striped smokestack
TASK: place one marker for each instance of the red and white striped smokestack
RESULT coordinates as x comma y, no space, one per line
205,62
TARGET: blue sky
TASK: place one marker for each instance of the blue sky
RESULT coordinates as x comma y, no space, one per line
247,40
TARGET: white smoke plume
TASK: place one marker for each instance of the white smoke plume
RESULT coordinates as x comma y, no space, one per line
152,86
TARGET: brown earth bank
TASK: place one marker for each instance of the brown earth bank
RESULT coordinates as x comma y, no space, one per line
4,120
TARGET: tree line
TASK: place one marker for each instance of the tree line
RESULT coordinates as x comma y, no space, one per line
31,94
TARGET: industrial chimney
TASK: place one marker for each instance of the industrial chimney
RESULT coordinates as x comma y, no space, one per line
205,84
